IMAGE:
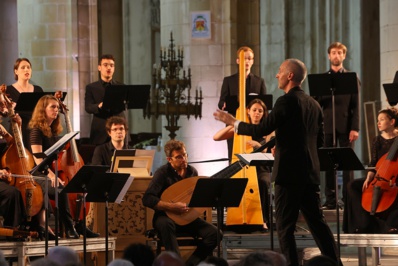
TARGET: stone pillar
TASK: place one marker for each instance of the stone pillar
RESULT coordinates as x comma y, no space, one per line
208,60
388,44
47,36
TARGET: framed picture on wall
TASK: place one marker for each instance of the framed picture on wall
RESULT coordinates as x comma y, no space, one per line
200,25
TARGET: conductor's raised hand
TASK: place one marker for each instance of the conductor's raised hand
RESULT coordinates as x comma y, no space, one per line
224,117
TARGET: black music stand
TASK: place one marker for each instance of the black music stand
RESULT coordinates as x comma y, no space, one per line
27,100
123,97
48,156
391,90
108,187
232,103
256,158
219,193
334,159
79,184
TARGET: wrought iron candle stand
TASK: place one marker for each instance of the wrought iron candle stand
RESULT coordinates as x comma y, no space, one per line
170,92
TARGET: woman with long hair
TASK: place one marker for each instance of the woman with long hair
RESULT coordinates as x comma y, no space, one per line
45,127
256,112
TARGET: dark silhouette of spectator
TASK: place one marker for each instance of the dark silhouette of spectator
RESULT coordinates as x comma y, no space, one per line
139,254
216,261
168,258
320,260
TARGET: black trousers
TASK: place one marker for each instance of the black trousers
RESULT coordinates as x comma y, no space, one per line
330,186
168,231
12,207
289,200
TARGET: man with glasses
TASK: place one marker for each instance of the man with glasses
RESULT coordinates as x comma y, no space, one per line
94,98
177,169
116,128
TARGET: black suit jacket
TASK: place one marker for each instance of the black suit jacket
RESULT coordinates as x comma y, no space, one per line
346,110
298,123
230,87
94,95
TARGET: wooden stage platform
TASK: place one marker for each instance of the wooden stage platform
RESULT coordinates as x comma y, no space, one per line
23,250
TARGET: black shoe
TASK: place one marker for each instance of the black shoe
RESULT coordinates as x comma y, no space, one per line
392,231
71,233
327,206
89,233
42,234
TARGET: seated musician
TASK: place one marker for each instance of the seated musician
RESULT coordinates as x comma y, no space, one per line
177,169
12,207
116,127
356,218
45,126
256,111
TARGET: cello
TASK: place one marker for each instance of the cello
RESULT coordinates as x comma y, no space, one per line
69,162
249,211
19,161
382,191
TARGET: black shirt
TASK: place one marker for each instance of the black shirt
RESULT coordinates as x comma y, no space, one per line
164,177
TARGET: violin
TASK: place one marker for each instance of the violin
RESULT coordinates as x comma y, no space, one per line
69,162
19,161
381,193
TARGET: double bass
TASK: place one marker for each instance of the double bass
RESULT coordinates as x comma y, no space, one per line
69,162
19,161
382,191
249,211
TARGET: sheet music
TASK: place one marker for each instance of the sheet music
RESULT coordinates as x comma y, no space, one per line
124,190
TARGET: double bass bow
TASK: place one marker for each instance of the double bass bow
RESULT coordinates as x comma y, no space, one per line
382,191
19,161
249,211
69,162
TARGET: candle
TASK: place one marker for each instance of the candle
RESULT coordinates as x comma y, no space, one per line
200,88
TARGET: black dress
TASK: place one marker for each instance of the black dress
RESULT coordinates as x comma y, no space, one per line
13,94
37,138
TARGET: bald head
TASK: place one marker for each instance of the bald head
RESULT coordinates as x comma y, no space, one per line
298,69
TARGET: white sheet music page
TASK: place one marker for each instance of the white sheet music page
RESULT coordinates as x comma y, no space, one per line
124,190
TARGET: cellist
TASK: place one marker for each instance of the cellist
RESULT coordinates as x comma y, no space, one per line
11,202
45,126
356,219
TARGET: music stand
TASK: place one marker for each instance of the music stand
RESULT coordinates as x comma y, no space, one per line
48,156
342,158
219,193
256,158
27,100
123,97
391,90
232,103
79,184
108,187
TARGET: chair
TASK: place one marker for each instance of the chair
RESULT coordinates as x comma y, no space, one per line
183,239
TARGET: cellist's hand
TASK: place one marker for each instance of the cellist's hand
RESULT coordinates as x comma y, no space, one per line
369,179
51,175
17,119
